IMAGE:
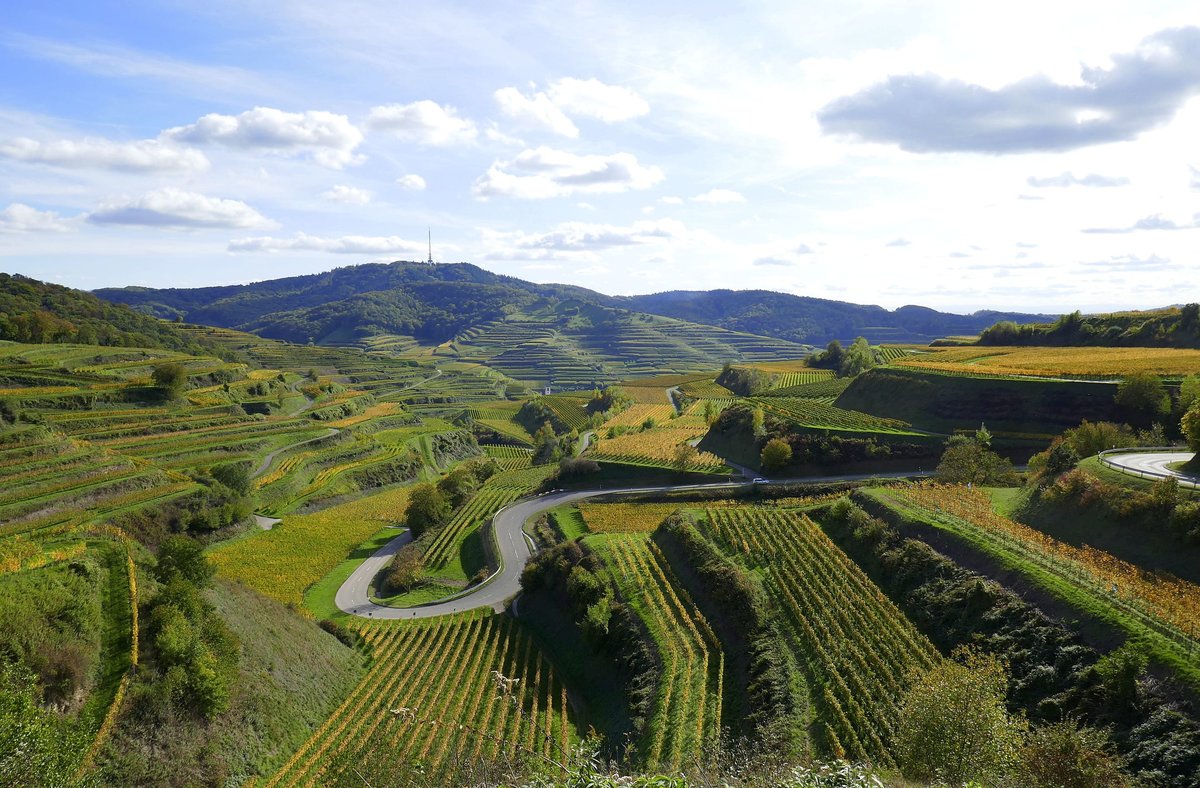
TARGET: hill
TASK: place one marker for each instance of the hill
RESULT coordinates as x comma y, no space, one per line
43,313
815,320
1171,327
558,334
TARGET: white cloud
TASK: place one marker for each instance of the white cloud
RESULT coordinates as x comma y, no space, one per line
584,236
411,182
541,173
346,244
671,200
20,218
719,197
424,122
171,207
329,138
593,99
102,154
350,195
535,112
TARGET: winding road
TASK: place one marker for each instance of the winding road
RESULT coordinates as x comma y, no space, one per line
515,549
1152,463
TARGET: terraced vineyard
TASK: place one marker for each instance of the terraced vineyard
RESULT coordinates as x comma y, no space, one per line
439,693
686,715
619,518
857,649
1162,612
817,414
655,448
1085,363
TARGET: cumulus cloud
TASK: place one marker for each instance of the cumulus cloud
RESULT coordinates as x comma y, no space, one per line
803,249
583,236
543,172
899,242
773,261
350,195
1070,179
413,183
670,200
329,138
927,113
536,111
103,154
719,197
424,122
20,218
346,244
592,98
171,207
1154,222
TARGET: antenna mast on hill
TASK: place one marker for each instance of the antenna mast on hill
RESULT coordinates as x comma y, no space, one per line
430,231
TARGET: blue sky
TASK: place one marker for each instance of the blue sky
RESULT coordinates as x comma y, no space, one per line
1035,156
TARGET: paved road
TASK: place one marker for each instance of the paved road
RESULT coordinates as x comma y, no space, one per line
354,595
1153,464
266,461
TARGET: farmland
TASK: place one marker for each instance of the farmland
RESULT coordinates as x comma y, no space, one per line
750,619
1104,363
447,693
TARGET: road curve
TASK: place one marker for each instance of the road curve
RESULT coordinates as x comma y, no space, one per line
266,461
354,595
1153,464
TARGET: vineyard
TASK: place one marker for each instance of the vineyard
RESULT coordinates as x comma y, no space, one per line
655,448
1103,363
857,650
815,414
1162,611
686,715
623,518
440,693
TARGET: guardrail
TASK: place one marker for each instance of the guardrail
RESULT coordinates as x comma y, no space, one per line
1102,456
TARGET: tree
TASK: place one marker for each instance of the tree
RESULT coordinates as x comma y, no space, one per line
967,461
458,485
710,412
1091,438
170,379
547,447
183,557
1191,428
234,475
405,570
953,726
757,420
1189,392
1067,755
857,359
427,508
1143,397
684,456
776,454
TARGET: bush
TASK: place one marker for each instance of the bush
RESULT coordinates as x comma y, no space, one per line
1068,755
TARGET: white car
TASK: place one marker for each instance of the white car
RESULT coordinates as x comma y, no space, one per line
760,480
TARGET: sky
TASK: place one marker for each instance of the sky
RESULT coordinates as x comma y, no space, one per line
1028,156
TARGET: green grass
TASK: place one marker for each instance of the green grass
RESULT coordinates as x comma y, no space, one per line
319,598
427,590
568,521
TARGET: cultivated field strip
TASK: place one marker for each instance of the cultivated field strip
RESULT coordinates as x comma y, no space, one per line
655,448
820,415
856,648
686,716
440,692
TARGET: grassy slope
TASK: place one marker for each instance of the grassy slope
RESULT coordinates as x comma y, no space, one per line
943,403
293,675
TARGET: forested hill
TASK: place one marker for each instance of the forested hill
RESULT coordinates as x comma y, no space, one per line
43,313
403,282
1172,327
815,320
433,303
